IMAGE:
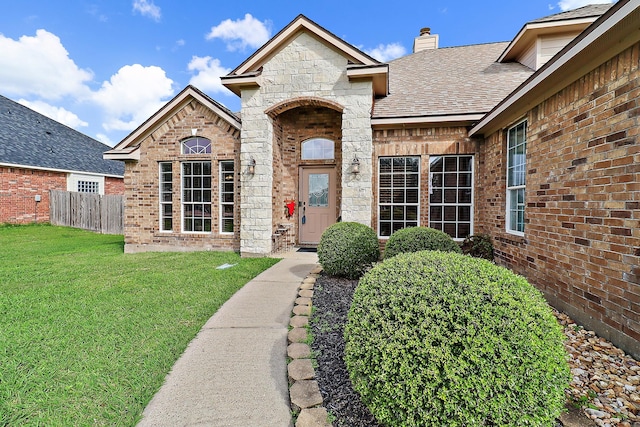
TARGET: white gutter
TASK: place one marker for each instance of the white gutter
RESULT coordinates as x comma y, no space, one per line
122,154
427,119
14,165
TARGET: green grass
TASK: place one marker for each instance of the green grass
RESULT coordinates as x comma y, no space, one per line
88,333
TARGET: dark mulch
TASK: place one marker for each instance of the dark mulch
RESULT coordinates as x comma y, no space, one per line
331,299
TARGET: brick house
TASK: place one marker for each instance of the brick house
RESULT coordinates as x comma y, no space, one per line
533,141
38,154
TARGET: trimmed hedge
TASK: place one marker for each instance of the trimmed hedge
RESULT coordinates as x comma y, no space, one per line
348,249
414,239
436,339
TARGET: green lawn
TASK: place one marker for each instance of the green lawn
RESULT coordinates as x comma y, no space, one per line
88,333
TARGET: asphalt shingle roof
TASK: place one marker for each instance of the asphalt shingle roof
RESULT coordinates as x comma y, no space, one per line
28,138
589,11
449,81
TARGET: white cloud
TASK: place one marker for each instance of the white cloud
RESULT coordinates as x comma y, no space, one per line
208,74
147,8
574,4
40,66
105,139
132,95
58,114
39,70
240,34
385,53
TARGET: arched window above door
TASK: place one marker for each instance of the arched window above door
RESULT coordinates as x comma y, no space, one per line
318,149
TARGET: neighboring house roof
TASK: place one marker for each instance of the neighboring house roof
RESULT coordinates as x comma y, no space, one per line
612,33
128,148
362,65
29,139
448,82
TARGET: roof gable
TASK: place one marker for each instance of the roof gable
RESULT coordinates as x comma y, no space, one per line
299,24
362,66
612,33
128,148
32,140
573,21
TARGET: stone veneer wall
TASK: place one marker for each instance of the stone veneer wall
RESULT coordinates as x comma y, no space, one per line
141,223
582,234
304,68
423,142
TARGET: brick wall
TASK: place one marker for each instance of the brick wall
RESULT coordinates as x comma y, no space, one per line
291,128
582,234
113,186
141,224
18,188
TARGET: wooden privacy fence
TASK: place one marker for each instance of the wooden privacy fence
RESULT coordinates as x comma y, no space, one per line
104,214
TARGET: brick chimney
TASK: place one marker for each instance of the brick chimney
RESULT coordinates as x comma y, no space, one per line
425,40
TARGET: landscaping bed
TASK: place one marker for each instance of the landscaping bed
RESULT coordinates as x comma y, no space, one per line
606,382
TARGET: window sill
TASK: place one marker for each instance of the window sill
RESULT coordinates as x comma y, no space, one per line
515,233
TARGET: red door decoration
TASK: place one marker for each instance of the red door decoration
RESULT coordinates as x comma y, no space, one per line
291,207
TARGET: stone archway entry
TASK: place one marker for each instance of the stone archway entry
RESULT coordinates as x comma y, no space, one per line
317,209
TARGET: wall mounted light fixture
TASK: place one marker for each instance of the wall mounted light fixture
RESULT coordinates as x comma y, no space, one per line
355,165
251,169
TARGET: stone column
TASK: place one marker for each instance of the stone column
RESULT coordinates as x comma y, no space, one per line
255,194
357,141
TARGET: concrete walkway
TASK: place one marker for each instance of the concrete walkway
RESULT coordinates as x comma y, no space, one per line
234,372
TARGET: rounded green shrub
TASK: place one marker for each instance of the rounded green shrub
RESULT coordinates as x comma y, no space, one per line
348,249
414,239
443,339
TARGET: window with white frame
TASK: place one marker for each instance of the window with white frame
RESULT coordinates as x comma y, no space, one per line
88,187
196,197
166,196
226,197
451,195
398,194
516,177
84,183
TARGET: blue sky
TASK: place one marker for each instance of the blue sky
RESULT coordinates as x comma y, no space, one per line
104,66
